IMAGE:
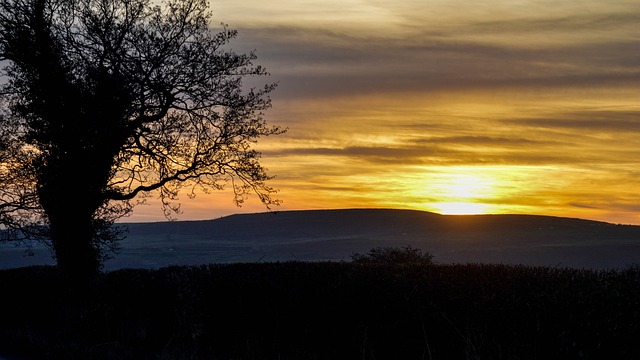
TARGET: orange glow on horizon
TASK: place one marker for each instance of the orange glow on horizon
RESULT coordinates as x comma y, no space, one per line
460,208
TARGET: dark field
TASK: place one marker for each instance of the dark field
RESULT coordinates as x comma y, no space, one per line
324,310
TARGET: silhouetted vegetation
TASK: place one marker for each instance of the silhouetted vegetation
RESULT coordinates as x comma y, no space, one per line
407,255
324,310
106,101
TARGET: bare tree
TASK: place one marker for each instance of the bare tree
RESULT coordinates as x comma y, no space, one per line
110,100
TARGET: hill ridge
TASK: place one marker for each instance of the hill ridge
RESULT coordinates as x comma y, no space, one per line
351,210
336,234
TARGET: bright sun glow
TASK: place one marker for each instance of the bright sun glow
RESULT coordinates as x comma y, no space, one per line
463,186
461,191
460,208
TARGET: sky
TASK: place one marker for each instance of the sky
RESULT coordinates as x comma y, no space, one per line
455,107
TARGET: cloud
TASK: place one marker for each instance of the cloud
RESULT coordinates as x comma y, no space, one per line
612,121
459,153
312,63
490,141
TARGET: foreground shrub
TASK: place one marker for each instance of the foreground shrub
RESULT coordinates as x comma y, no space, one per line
407,255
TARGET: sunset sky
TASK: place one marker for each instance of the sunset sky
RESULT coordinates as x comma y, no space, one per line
445,105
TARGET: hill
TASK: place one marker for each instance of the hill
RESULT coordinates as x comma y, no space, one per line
315,235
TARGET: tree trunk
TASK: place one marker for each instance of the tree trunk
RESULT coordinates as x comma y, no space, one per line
72,239
70,204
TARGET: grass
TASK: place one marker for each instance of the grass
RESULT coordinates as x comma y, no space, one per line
323,310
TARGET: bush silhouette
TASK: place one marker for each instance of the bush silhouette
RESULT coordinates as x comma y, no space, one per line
407,255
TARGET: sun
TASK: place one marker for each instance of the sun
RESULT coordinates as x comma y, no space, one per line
460,208
465,186
461,191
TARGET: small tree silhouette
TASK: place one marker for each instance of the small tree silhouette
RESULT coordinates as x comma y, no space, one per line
407,255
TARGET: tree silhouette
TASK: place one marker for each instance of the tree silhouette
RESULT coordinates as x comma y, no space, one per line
109,100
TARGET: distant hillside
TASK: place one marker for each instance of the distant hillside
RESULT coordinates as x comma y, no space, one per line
336,234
